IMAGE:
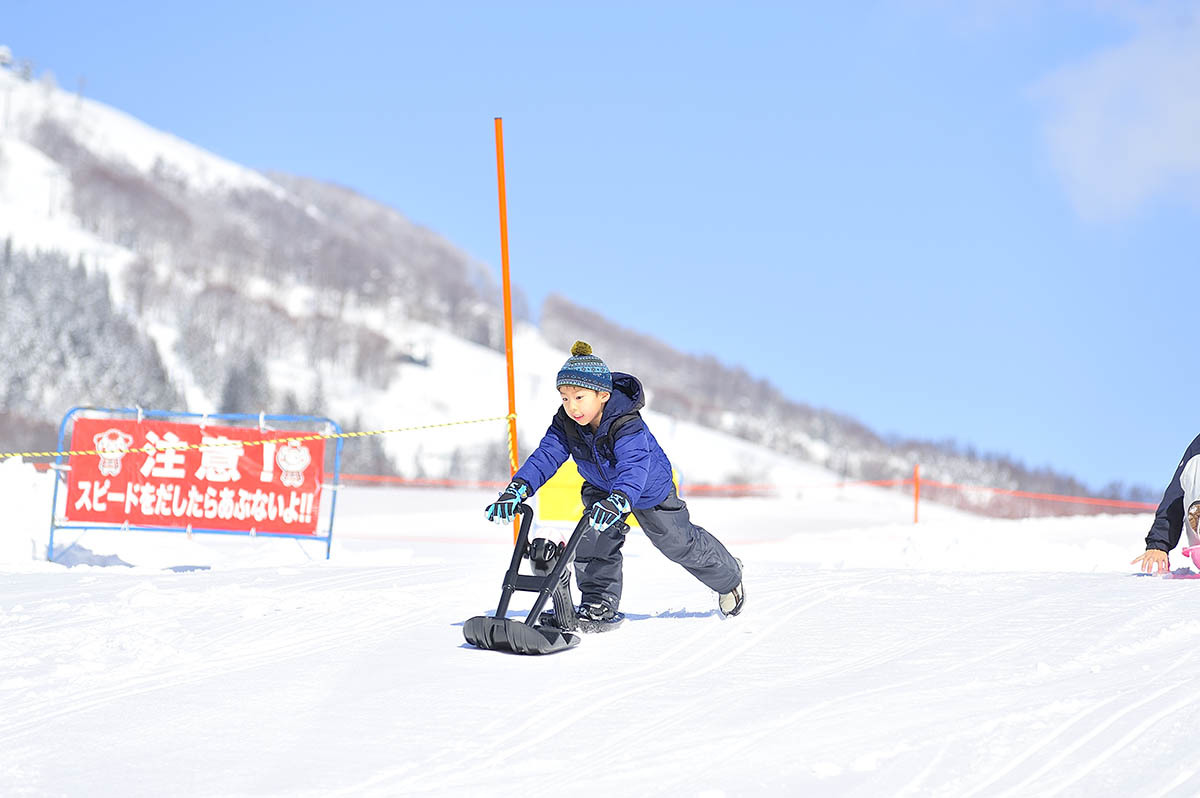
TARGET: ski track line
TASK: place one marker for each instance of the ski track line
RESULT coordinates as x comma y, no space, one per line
654,666
1095,762
240,631
914,785
935,675
751,741
148,681
355,576
1027,642
862,663
1080,741
1055,733
345,583
15,626
703,652
859,664
8,629
780,725
551,721
893,651
1050,737
250,630
1174,784
17,632
1051,633
257,593
178,675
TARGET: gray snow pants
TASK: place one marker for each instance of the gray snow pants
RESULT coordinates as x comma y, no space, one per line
670,529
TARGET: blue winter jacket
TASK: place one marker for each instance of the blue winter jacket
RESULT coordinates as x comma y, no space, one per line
1168,520
620,455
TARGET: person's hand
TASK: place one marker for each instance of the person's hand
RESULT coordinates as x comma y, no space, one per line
608,511
1153,560
505,507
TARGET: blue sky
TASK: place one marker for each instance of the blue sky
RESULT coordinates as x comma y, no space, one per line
973,220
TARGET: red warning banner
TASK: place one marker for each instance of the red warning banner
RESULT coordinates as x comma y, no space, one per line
159,473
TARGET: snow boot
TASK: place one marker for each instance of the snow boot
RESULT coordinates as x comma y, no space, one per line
730,604
589,617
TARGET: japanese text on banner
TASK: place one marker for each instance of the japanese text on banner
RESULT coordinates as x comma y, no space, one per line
144,476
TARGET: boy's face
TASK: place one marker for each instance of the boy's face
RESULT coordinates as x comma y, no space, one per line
583,404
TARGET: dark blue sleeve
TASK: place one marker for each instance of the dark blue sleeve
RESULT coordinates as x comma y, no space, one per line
551,453
1168,519
632,450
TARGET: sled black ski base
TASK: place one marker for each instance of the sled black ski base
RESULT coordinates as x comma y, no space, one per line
550,580
506,634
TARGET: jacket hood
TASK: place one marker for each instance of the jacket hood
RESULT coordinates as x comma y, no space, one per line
626,397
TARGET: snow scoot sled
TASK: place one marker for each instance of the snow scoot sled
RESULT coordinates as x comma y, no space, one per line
1191,550
550,580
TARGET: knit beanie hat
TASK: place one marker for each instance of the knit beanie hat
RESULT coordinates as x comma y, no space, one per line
585,370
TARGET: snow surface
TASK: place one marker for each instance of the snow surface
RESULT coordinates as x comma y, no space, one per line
957,657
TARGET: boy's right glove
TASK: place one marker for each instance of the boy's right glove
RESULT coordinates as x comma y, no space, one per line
505,507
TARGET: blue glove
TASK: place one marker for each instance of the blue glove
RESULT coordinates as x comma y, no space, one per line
505,507
606,512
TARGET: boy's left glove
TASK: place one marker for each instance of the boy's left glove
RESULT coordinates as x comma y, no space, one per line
505,506
606,512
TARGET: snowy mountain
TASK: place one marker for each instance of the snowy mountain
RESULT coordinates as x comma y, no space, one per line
224,274
140,269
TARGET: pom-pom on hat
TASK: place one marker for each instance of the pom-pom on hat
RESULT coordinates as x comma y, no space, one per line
584,370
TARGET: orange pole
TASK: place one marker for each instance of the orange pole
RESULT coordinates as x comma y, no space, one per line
916,490
508,346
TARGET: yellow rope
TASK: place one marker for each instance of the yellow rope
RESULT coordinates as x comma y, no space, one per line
181,445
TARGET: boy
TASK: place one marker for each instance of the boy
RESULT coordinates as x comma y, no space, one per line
624,471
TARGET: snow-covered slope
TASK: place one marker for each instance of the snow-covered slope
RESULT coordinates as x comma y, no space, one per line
466,381
35,207
452,380
352,310
223,267
955,657
117,136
